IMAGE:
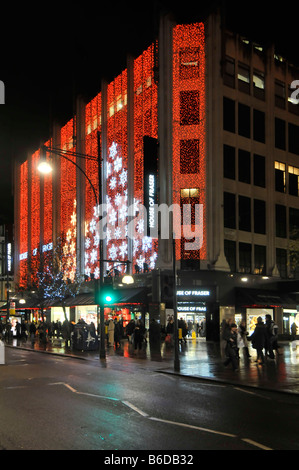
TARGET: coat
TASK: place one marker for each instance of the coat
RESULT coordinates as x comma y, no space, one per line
259,336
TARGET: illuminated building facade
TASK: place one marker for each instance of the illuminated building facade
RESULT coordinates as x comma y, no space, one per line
216,107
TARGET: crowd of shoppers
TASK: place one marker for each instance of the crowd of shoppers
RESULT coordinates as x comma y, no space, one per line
264,340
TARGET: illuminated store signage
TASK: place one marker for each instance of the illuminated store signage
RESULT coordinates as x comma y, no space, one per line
197,293
150,181
192,308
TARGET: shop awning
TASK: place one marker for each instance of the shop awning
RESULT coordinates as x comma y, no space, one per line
254,298
122,297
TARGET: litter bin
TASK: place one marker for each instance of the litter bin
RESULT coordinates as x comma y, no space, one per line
84,339
2,352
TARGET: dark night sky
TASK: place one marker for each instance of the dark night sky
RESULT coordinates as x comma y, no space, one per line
51,52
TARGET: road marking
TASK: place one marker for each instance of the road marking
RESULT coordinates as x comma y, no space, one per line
70,388
152,418
16,386
133,407
97,396
251,393
198,428
257,444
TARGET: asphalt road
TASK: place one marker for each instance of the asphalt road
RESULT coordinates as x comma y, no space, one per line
55,403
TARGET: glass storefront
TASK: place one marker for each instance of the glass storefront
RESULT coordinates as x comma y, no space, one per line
57,314
253,313
88,313
289,316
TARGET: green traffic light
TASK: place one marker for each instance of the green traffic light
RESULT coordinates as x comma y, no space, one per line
108,298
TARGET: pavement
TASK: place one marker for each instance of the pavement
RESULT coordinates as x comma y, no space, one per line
198,360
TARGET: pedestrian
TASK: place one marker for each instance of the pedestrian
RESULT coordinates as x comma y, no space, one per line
225,331
111,327
66,332
32,332
272,336
259,338
242,339
182,325
138,335
169,331
130,330
294,329
231,349
117,334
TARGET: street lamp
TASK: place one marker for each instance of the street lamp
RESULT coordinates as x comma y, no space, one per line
45,168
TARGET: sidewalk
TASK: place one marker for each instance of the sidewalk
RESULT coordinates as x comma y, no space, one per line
199,359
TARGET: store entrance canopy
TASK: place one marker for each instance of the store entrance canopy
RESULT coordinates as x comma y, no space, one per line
253,298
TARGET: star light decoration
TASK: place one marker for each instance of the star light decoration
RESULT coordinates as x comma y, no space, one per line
117,223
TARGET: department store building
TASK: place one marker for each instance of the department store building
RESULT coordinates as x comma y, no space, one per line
203,118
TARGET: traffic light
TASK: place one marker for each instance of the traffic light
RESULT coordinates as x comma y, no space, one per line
167,287
106,295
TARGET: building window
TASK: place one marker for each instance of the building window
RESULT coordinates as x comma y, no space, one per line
245,258
230,254
280,177
259,171
189,63
281,262
280,134
293,138
245,213
281,221
189,193
229,72
189,108
244,78
229,162
189,196
229,115
280,94
244,166
244,120
189,156
293,223
229,202
293,180
259,84
259,209
259,125
259,259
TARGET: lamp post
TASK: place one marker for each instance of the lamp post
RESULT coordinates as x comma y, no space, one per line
45,167
175,311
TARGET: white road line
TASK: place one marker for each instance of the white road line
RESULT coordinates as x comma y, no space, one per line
198,428
251,393
97,396
70,388
145,415
256,444
133,407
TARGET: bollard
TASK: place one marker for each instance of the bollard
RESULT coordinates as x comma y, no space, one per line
2,352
